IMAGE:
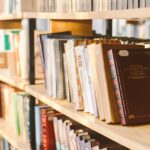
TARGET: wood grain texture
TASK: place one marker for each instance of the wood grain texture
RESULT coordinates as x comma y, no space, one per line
16,141
135,137
13,24
77,27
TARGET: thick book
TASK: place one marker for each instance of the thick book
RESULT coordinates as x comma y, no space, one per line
111,113
131,77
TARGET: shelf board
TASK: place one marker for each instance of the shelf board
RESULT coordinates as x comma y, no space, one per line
135,137
16,141
13,80
16,16
140,13
114,14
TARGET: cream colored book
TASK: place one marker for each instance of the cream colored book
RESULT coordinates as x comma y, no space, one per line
95,76
74,79
105,5
110,104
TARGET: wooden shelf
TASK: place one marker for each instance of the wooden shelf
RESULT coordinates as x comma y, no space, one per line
16,16
7,133
135,137
115,14
13,80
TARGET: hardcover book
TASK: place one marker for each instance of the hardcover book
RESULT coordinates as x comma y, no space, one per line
131,77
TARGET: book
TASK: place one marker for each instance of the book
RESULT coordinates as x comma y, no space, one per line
48,137
110,103
95,78
130,74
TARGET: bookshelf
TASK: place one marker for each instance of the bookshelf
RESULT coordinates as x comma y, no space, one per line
7,132
136,137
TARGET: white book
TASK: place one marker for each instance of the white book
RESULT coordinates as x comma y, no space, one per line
105,5
74,76
130,4
66,79
147,3
114,4
136,3
2,43
125,4
70,7
100,5
48,67
119,4
66,140
142,3
56,131
109,4
73,5
87,98
94,5
24,51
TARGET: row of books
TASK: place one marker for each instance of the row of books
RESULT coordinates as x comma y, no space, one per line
15,110
11,6
105,5
100,76
54,131
4,145
15,54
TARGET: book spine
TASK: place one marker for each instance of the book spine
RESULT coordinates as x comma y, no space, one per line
116,85
45,133
37,127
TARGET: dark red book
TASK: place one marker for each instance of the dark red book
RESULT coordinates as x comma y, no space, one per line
131,77
48,137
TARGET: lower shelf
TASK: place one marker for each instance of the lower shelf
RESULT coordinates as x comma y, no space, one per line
7,133
135,137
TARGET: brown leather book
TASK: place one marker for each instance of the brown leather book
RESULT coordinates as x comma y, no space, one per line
111,113
131,77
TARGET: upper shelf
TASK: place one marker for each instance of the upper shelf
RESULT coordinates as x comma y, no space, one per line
115,14
135,137
16,16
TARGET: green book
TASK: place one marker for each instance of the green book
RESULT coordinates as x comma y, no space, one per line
15,111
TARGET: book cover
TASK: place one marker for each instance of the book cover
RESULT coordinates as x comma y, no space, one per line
112,113
131,77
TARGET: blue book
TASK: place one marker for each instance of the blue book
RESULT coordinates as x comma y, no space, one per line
5,145
38,121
